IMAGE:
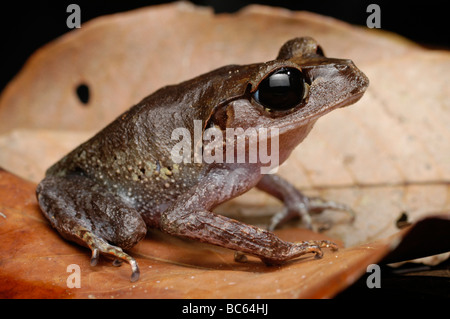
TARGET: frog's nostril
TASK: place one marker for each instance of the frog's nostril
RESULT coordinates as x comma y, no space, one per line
360,82
363,80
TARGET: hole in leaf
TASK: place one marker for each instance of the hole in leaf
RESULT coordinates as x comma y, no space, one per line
83,93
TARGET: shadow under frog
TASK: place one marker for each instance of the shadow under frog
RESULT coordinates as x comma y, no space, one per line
110,190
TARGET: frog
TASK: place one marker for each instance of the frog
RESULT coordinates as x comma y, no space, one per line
108,192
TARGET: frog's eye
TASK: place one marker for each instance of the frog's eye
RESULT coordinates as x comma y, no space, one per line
281,90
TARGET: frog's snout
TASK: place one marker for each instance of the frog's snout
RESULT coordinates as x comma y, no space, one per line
356,78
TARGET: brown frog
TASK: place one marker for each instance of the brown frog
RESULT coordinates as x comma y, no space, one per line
108,191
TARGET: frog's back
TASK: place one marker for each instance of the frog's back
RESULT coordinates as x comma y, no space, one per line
140,140
131,157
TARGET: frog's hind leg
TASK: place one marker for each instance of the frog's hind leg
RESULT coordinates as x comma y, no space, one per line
85,213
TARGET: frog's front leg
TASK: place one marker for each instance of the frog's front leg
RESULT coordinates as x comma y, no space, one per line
86,213
191,218
296,204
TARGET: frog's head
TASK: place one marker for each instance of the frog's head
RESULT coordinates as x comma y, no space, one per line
305,82
291,92
297,88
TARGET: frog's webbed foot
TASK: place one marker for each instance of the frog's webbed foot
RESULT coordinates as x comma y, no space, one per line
304,207
296,204
99,245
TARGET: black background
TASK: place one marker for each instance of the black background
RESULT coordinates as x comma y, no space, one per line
27,26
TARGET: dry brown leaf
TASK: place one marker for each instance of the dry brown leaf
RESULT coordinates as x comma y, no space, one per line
386,155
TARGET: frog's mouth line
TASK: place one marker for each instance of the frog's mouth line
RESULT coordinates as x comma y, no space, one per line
346,102
311,118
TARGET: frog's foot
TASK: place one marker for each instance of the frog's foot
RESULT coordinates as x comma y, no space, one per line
297,249
301,248
99,245
296,204
304,207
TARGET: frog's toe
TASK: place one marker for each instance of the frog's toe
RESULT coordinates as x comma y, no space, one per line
135,269
318,205
100,246
311,246
95,257
117,263
120,257
306,207
324,244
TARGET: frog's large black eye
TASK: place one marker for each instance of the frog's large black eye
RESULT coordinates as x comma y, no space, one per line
281,90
